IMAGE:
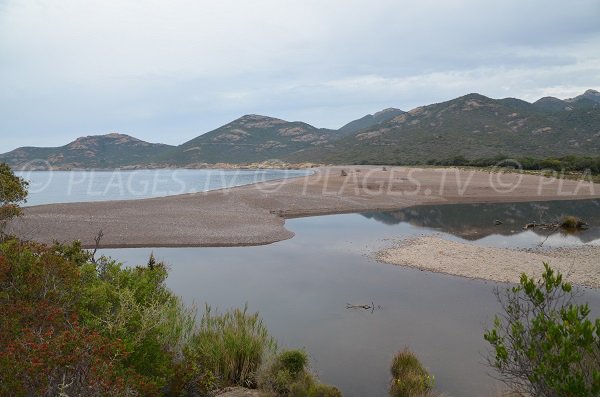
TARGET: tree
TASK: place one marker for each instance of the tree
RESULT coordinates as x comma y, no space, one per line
13,191
544,344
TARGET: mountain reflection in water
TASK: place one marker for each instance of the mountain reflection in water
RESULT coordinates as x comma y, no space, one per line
476,221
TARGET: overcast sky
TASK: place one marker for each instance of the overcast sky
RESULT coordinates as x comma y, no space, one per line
169,70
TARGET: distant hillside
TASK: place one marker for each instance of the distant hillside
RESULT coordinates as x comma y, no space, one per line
370,120
247,139
591,95
98,151
473,126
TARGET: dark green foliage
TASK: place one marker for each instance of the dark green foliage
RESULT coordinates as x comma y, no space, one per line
409,377
567,164
13,192
293,361
543,343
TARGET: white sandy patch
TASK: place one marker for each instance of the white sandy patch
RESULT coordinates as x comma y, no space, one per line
580,265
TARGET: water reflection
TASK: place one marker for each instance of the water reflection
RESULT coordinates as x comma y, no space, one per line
476,221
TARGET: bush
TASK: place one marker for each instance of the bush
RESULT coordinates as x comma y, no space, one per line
44,349
231,346
293,361
134,305
73,325
287,375
13,191
409,377
543,342
571,223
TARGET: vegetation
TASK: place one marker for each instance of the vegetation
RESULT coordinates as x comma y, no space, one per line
566,164
543,343
231,347
77,325
73,324
287,375
571,222
409,377
13,192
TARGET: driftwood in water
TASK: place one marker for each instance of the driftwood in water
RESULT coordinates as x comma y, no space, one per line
370,307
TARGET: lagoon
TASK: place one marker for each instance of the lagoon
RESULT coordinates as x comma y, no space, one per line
302,286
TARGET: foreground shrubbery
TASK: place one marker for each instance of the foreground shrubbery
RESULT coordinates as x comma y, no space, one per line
48,345
409,377
287,374
74,325
227,349
543,343
13,191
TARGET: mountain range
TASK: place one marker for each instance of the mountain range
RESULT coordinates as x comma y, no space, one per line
473,126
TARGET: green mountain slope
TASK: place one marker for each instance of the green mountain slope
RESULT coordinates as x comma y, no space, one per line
369,121
472,126
248,139
98,151
591,95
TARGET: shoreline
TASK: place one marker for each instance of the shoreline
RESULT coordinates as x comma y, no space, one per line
255,214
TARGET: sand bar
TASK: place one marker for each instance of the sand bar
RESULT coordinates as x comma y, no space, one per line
580,265
255,214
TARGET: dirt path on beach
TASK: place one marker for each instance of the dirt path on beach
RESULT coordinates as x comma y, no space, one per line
255,214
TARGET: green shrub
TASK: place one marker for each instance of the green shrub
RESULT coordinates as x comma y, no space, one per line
135,306
13,191
293,360
544,344
287,375
45,349
231,346
571,223
409,377
75,325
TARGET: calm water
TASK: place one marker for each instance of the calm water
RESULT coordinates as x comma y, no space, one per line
301,287
75,186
